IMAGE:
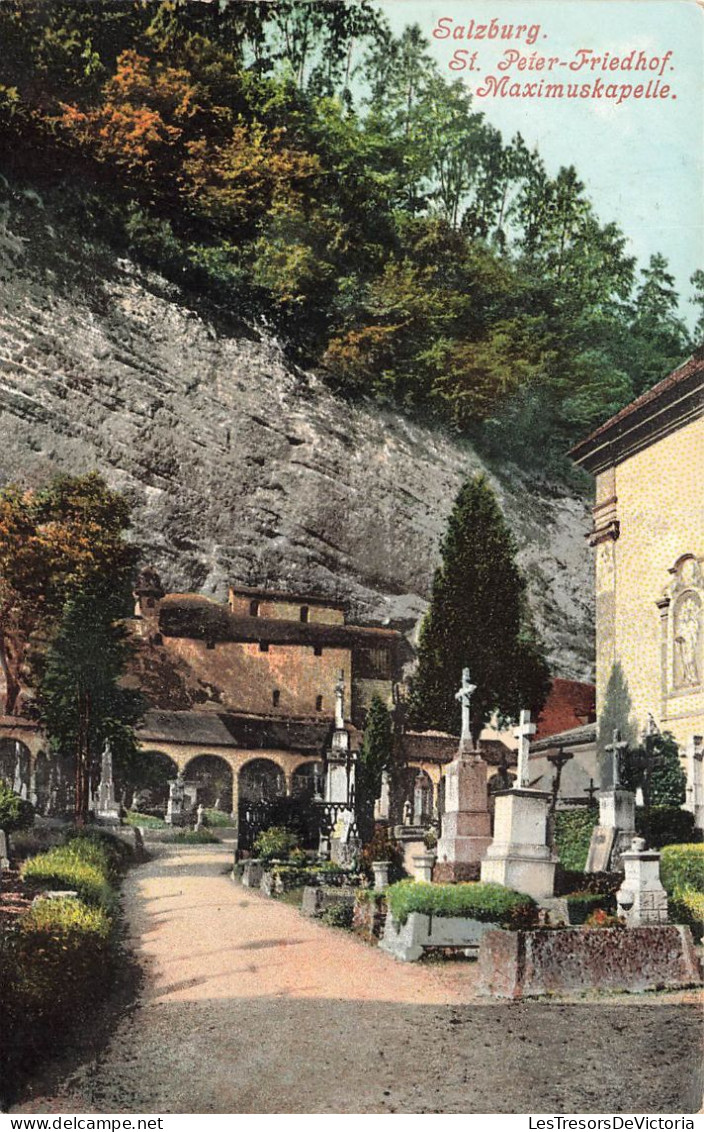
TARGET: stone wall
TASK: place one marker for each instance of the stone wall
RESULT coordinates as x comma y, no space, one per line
526,964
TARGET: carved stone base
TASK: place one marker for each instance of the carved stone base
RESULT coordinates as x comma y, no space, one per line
453,872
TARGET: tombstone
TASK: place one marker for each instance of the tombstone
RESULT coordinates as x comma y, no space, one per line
422,789
641,898
4,852
175,807
107,810
519,856
407,813
466,823
617,817
200,821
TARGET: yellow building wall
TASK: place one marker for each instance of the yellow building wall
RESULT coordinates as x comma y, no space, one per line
248,677
282,610
657,496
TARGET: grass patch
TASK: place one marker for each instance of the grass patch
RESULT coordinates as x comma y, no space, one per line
682,867
144,821
193,837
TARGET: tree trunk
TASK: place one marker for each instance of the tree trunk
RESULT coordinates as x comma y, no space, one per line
12,682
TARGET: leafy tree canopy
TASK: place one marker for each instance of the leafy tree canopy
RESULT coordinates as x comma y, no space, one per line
298,161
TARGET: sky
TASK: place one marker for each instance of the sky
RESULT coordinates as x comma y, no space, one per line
641,161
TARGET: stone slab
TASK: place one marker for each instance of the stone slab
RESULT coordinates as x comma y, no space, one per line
572,960
600,849
316,898
408,941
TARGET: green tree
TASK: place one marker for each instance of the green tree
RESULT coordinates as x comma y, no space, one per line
478,618
374,757
83,704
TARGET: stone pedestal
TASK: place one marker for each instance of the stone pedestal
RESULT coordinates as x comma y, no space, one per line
519,856
423,866
466,824
381,874
642,898
4,852
615,831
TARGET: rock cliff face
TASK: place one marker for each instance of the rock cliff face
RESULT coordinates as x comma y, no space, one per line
239,466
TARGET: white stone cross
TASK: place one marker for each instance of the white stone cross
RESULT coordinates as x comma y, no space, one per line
523,733
464,696
340,702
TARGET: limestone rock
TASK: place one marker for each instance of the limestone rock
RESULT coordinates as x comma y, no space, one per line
239,465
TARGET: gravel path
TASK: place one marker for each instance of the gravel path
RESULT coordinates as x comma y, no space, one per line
247,1007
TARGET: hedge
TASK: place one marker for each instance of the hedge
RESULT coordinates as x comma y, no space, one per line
682,867
56,959
15,812
68,868
669,825
486,902
274,843
573,834
687,907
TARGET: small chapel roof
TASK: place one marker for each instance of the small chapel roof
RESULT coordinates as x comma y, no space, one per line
673,402
236,729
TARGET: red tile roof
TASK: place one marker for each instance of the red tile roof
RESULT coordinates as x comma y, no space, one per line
682,387
569,704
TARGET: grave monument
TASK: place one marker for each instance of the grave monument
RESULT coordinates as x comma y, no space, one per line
466,825
519,857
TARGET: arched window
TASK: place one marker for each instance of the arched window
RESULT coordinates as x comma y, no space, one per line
254,609
318,703
304,613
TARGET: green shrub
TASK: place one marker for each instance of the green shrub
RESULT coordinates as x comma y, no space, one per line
486,902
217,818
82,865
275,843
582,904
682,867
65,916
686,906
99,846
573,834
15,812
338,915
669,825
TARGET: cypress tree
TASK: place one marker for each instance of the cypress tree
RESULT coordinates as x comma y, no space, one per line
478,618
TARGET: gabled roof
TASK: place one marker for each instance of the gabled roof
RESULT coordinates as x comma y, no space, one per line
672,403
575,737
202,619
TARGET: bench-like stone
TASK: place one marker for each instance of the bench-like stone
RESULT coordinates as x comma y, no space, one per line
408,941
530,963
